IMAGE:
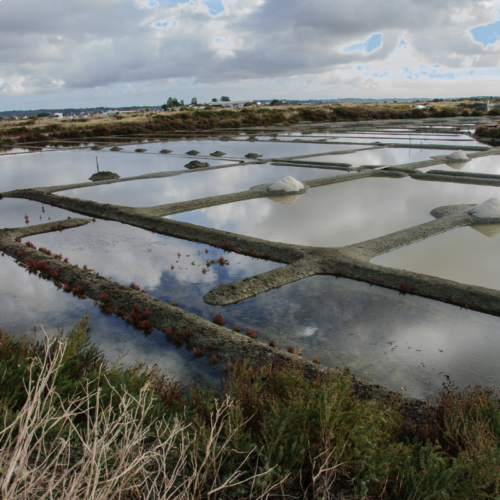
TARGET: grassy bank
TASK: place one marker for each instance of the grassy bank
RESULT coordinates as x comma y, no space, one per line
44,130
75,426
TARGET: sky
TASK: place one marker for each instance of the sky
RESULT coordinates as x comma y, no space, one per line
87,53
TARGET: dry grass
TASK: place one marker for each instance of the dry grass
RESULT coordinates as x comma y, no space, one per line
74,427
115,455
44,130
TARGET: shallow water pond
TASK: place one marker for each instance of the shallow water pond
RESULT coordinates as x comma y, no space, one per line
236,148
27,301
383,156
384,337
68,167
468,255
339,214
13,210
193,185
482,165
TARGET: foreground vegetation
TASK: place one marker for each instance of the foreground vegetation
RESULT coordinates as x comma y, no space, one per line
75,426
45,130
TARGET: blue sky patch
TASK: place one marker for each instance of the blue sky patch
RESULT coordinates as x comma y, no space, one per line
215,6
371,44
486,34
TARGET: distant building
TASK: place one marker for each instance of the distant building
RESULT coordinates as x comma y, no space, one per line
228,104
58,115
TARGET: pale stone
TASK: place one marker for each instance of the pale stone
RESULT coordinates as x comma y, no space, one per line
490,209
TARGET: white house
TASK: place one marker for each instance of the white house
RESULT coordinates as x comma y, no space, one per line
58,115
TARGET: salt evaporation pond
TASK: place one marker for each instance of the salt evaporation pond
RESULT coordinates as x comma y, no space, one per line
382,156
468,255
339,214
13,210
236,148
384,337
69,167
193,185
481,165
26,301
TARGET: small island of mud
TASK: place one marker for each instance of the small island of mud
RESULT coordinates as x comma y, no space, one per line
196,164
103,176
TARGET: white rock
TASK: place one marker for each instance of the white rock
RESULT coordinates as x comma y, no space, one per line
287,185
457,156
490,209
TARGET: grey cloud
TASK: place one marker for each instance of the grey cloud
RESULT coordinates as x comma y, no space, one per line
96,43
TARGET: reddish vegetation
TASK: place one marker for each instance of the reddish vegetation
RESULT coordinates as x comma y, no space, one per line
219,320
197,352
41,267
251,333
134,286
236,328
273,343
222,261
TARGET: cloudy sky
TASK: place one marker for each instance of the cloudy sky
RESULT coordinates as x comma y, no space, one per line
84,53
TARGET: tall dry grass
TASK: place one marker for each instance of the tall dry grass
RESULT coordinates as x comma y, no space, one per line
44,454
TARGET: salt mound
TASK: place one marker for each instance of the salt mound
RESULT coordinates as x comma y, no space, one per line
457,156
490,209
287,185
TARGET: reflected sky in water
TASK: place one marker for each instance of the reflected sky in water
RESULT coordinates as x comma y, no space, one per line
150,192
468,255
13,210
236,148
68,167
484,165
339,214
26,301
384,156
383,336
387,338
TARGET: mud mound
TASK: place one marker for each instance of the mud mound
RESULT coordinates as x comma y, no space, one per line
196,164
103,176
217,153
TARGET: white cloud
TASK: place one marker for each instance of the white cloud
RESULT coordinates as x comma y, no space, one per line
99,51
